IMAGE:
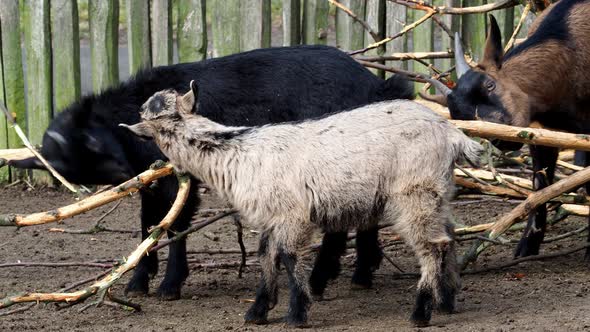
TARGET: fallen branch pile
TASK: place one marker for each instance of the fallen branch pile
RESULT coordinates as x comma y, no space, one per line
102,287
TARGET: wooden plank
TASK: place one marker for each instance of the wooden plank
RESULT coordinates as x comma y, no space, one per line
138,35
423,41
191,31
65,47
39,91
4,171
505,18
453,22
315,21
254,24
375,17
14,86
161,32
396,17
474,30
349,33
226,27
291,22
104,22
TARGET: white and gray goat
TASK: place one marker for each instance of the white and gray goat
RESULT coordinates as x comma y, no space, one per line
385,162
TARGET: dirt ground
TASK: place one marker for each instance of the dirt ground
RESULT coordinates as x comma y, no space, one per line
552,295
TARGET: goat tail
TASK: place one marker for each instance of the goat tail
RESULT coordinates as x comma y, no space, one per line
465,148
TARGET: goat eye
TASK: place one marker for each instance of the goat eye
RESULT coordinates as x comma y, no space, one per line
490,85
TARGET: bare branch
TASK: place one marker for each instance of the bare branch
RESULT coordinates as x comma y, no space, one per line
101,287
350,13
512,39
459,11
122,190
29,146
429,14
408,56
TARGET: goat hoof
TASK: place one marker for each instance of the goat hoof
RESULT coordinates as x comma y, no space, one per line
447,308
420,323
257,321
168,293
296,322
361,281
317,297
137,288
528,247
355,286
256,316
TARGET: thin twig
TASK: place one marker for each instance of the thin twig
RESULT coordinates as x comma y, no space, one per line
459,11
350,13
429,14
408,56
408,74
528,258
84,281
392,262
28,144
469,174
195,227
512,39
63,264
17,310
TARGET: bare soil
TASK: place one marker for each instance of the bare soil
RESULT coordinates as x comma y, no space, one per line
551,295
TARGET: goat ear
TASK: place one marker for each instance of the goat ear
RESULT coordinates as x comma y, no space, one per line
187,102
493,51
142,130
195,90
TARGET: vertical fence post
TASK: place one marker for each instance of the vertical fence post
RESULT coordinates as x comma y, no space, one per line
474,30
191,32
375,17
38,47
349,33
423,39
453,22
65,47
395,20
254,24
291,22
226,27
104,21
161,32
505,18
315,21
138,35
4,171
12,66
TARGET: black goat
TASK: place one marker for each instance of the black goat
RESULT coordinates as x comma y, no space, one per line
254,88
544,79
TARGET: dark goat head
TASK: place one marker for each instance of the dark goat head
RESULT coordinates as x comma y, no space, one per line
485,92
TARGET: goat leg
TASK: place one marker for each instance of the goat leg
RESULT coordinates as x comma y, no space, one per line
544,160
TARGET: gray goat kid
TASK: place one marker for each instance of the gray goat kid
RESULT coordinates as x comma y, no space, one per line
389,161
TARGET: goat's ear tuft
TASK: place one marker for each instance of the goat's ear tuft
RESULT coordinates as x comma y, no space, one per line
493,50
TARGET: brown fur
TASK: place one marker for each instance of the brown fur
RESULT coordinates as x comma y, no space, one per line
546,76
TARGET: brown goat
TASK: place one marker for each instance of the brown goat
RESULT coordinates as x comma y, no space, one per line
544,79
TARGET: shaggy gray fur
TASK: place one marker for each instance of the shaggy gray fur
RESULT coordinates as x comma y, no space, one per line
385,162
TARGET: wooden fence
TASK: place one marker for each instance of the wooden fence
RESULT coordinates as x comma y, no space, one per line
48,34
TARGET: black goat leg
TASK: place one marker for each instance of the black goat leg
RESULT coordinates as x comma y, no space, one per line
544,160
